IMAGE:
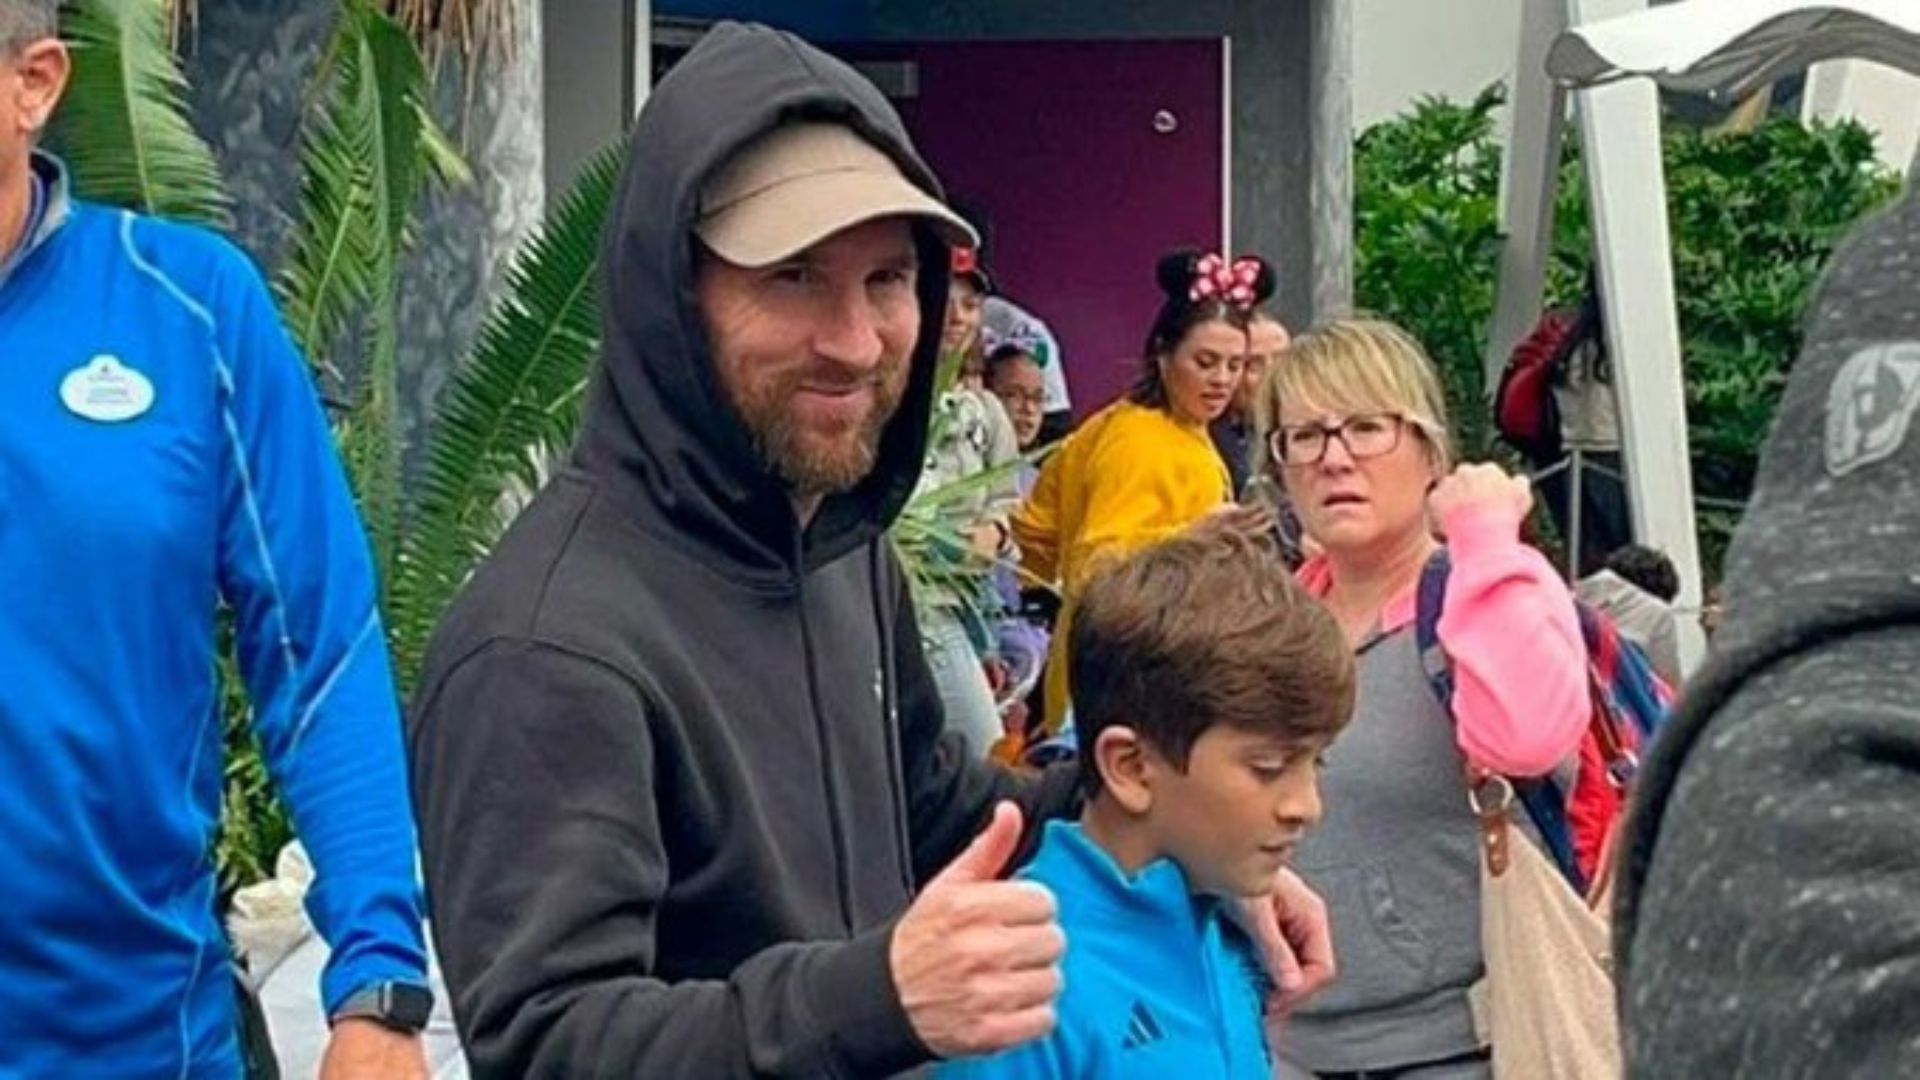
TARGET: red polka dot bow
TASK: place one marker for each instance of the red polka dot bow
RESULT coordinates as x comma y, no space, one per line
1232,282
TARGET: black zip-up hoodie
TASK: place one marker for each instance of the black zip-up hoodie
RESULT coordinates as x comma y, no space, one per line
678,762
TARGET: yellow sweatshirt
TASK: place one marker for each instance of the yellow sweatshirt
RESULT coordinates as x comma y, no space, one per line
1130,475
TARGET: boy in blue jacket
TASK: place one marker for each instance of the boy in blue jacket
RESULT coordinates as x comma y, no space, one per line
1206,688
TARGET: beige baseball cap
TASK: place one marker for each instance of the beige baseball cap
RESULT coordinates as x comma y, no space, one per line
799,184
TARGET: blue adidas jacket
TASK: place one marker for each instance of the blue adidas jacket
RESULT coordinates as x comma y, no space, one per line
1159,983
162,448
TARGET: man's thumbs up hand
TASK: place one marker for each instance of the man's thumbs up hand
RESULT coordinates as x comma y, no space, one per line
976,960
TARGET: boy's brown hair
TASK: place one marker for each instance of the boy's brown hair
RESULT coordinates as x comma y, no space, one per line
1205,628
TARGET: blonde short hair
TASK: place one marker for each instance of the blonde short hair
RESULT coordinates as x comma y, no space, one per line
1358,366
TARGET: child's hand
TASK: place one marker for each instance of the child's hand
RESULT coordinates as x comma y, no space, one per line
986,541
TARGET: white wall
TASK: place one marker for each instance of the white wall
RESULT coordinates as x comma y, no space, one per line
1403,49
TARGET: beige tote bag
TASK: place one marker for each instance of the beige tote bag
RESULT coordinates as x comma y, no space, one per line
1546,1005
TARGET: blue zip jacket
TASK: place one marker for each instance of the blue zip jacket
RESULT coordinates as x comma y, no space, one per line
1159,983
161,449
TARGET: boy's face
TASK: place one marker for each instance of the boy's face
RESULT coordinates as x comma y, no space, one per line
1232,818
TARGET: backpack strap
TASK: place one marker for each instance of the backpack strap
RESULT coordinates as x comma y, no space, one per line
1545,802
1432,596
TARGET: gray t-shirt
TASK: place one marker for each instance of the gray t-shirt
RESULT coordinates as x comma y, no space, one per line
1396,858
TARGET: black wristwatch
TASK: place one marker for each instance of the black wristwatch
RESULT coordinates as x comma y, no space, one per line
403,1007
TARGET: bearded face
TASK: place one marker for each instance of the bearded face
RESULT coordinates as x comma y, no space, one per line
814,350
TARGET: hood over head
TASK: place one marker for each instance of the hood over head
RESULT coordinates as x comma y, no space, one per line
658,429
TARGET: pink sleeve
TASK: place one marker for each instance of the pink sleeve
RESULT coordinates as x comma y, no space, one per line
1509,628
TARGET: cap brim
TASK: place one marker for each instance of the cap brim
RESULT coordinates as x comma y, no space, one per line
791,217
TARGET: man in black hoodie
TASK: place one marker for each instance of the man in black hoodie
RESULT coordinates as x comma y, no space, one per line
676,754
1769,906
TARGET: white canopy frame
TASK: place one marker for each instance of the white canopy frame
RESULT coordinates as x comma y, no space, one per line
1609,55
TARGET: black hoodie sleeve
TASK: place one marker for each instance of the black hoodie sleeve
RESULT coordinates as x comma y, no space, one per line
1768,918
950,793
545,869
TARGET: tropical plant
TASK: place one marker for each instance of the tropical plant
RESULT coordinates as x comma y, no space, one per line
367,150
514,404
1427,240
123,125
475,29
368,147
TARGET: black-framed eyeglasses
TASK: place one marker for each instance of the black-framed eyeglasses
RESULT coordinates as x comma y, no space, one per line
1365,435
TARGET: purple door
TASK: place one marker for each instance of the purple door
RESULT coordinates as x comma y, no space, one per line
1087,160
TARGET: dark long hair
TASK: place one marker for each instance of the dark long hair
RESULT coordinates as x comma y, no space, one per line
1180,313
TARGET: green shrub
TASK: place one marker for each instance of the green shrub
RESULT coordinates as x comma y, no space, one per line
1754,216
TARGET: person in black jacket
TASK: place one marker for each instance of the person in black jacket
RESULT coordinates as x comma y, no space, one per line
1768,919
685,806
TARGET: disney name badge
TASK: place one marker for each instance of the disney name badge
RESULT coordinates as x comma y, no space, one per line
107,391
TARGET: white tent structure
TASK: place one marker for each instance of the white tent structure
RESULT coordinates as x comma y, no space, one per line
1609,55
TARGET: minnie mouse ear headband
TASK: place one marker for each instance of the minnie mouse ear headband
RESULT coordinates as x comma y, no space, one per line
966,263
1235,283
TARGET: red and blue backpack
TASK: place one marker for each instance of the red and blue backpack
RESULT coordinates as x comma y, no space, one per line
1574,810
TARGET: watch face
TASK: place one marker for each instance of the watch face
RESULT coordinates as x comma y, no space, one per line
408,1006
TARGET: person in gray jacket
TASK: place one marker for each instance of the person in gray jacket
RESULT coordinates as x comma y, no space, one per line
1769,908
1636,589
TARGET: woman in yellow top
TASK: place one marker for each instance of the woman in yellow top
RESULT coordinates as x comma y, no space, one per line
1145,467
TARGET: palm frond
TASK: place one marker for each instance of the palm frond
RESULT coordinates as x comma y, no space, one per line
366,151
369,148
339,260
370,443
514,403
930,538
123,126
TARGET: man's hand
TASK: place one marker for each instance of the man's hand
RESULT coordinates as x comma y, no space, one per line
976,960
360,1049
1291,927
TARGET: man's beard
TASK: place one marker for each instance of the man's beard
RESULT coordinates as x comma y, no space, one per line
813,463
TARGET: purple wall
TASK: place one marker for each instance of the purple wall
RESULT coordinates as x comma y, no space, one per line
1055,144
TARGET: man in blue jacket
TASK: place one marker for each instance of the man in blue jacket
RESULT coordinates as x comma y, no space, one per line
161,450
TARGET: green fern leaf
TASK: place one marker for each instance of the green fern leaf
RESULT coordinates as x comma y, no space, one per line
514,403
122,127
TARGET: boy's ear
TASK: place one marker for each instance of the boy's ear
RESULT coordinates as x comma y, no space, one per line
1121,757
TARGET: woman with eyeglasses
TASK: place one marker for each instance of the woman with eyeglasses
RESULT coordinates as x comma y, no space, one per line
1355,427
1145,467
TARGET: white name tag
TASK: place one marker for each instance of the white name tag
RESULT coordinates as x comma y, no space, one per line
106,390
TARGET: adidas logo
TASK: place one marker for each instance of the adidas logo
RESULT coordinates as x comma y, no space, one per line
1142,1028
